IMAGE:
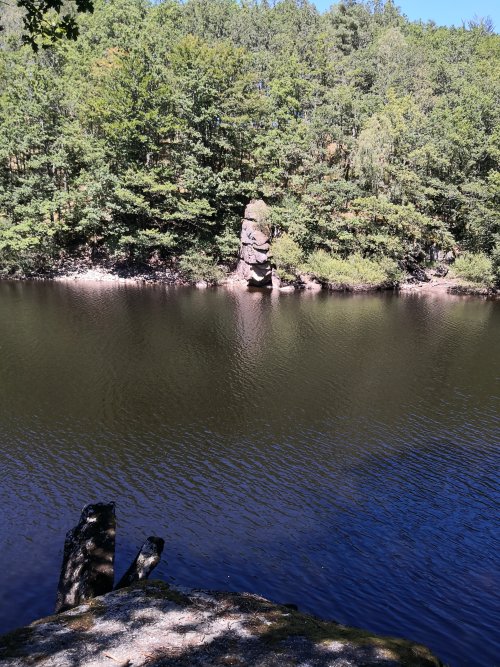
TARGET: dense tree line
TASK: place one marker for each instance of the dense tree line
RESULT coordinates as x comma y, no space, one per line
142,141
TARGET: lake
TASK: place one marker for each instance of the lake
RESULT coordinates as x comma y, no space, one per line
340,453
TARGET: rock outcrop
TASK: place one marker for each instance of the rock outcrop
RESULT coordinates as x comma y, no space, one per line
155,625
152,624
89,555
254,265
144,563
88,567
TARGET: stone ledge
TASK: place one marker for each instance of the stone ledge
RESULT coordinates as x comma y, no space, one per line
157,625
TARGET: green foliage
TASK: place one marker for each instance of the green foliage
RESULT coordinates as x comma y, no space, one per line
355,271
27,247
383,228
139,245
195,265
287,256
44,23
228,245
495,259
476,268
366,134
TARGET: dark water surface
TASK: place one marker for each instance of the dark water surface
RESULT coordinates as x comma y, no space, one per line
339,453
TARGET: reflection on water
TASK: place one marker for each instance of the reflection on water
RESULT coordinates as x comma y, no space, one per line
336,452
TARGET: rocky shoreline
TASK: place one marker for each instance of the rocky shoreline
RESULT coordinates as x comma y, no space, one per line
100,274
255,268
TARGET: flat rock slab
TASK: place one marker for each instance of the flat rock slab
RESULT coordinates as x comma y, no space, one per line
157,625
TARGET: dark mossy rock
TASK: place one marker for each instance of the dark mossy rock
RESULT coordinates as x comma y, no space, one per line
89,555
144,563
260,275
441,271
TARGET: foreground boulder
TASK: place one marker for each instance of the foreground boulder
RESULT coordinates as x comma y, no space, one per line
153,624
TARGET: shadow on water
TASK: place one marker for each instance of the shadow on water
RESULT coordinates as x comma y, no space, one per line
336,452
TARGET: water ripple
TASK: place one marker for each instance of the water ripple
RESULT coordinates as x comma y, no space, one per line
340,453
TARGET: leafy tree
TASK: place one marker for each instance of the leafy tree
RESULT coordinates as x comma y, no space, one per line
44,21
368,135
287,256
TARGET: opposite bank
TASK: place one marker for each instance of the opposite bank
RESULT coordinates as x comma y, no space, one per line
266,261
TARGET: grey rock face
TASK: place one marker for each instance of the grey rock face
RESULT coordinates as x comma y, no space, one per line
257,210
247,232
251,255
89,554
260,256
310,283
260,274
449,257
260,237
276,280
243,270
441,271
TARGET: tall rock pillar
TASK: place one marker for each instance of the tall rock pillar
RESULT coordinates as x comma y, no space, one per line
254,265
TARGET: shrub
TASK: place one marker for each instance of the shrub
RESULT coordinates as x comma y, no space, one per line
287,256
355,271
27,247
141,243
475,268
228,245
495,258
196,265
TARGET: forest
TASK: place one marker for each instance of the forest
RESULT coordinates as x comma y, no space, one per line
373,139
